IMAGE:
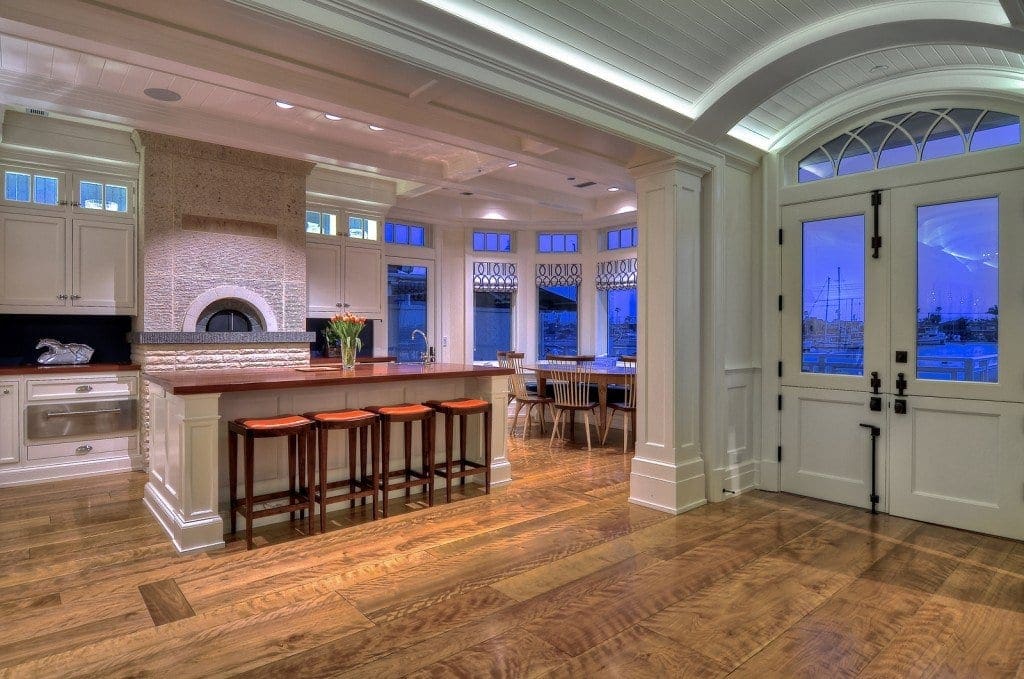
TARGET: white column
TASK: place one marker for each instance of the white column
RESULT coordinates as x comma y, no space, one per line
495,390
182,492
668,471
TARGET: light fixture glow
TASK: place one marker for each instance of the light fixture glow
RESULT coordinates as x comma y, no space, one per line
626,208
513,164
613,189
494,214
376,128
331,116
284,104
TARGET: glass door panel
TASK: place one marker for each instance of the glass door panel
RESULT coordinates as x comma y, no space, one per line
833,296
954,308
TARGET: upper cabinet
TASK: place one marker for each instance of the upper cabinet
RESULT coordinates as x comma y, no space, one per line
67,242
344,274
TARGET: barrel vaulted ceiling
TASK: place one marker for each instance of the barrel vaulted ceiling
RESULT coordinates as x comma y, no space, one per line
751,69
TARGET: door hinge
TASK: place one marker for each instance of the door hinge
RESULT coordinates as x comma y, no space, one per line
779,404
779,453
780,302
780,368
780,236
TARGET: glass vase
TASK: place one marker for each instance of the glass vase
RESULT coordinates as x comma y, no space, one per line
348,353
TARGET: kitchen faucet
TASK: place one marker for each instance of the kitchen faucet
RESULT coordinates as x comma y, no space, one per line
428,355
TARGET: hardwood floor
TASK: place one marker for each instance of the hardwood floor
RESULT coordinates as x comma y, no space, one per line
555,575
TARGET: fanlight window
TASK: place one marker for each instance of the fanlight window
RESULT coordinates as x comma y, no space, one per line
909,138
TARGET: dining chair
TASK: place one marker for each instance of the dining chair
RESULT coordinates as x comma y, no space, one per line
627,406
519,392
570,382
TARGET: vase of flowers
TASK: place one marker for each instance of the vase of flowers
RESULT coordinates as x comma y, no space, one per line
343,330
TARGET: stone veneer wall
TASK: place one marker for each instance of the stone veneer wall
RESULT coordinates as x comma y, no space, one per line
211,216
154,357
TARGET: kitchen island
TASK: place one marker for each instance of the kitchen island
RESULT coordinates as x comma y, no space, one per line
187,412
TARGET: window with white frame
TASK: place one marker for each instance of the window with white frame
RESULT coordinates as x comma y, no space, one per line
322,222
101,195
360,226
492,241
26,186
621,237
399,233
558,242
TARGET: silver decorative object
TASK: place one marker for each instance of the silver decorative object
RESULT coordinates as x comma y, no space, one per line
58,353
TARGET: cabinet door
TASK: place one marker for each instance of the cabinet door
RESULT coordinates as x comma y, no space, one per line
364,280
323,279
103,265
32,260
10,417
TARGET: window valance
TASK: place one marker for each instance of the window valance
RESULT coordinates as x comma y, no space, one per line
616,274
559,274
495,277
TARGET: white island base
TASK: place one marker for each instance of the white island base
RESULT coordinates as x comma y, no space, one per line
188,477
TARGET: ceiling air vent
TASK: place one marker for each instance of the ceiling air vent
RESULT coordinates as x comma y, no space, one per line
36,112
583,185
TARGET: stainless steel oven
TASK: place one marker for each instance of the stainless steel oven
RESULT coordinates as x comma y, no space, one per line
82,418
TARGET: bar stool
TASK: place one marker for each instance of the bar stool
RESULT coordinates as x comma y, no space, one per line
358,423
463,408
406,413
300,464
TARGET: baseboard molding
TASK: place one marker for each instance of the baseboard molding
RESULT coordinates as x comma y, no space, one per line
187,536
20,476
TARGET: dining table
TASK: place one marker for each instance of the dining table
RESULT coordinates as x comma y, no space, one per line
602,374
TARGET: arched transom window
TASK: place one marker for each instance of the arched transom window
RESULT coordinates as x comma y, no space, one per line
910,138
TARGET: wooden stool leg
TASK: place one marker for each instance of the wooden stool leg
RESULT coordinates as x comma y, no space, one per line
385,463
249,454
292,473
408,457
352,465
427,427
487,452
375,463
321,458
309,455
463,422
233,478
449,426
364,433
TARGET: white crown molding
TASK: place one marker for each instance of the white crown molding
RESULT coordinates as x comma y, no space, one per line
949,84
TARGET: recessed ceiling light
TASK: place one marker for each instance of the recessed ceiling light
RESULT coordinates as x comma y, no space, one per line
376,128
878,68
613,188
284,104
331,116
467,193
513,164
570,179
161,94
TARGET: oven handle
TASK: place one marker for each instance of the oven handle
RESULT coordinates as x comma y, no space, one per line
84,412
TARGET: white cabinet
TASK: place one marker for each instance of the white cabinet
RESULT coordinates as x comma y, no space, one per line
344,274
363,290
33,261
10,419
103,265
49,268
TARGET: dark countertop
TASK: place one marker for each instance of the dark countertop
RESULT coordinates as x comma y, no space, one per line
256,379
38,370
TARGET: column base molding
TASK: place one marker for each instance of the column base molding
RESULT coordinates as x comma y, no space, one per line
187,535
670,488
501,472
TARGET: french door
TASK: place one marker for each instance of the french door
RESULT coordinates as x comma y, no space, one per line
902,334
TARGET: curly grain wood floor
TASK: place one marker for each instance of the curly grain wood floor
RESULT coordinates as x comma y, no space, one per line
555,575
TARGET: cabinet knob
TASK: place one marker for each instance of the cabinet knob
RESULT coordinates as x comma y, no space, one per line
7,392
82,450
61,295
76,297
84,388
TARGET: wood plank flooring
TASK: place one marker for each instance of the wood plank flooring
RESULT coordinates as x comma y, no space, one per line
555,575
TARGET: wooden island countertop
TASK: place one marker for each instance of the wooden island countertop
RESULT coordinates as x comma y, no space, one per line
186,382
